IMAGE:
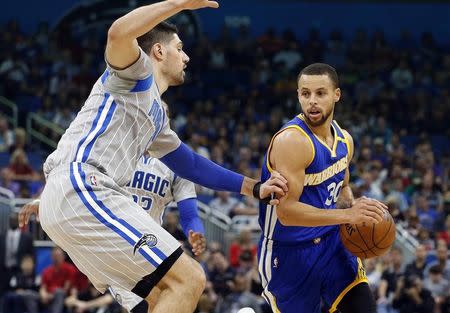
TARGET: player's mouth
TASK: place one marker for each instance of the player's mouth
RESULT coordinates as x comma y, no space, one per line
314,113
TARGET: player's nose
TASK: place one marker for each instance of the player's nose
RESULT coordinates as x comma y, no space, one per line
185,58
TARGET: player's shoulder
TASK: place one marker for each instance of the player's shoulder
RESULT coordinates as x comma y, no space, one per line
293,138
296,142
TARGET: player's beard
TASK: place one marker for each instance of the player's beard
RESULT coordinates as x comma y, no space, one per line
322,120
178,78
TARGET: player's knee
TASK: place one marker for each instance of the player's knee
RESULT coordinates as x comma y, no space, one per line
196,278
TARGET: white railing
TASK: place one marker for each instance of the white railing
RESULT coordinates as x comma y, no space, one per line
37,127
10,110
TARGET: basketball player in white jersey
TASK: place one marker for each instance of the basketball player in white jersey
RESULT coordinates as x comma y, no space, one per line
85,208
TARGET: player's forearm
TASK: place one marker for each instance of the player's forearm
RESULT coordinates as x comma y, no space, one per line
198,169
189,218
247,186
294,213
141,20
345,199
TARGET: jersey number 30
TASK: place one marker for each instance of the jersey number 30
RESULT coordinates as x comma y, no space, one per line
334,190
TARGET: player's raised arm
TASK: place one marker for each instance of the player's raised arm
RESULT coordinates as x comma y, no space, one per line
292,166
122,48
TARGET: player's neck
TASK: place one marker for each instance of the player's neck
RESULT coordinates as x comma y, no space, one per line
160,82
323,131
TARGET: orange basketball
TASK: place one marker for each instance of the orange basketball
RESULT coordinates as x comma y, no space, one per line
368,241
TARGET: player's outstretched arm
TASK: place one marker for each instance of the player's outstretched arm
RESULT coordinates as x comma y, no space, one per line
122,48
292,166
192,166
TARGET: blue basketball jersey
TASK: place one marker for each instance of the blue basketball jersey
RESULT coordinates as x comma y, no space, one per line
323,182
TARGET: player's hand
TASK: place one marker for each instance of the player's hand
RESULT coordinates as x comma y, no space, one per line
366,210
197,241
27,210
277,185
195,4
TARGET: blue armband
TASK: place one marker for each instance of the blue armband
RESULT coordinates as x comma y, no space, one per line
189,218
192,166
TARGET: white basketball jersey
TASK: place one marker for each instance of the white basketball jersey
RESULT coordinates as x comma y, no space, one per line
154,186
121,119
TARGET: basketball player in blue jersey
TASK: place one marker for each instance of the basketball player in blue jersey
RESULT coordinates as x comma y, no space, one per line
302,261
84,206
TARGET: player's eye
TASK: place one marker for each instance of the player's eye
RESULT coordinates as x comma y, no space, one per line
305,94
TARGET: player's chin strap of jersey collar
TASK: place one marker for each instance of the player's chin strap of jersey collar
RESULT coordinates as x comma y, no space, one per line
256,194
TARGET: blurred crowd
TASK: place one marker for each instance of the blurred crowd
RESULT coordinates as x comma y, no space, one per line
240,89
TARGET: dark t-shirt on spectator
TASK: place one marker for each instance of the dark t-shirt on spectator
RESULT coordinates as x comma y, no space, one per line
391,277
413,269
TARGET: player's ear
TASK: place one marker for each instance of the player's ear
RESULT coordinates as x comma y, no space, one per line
158,51
337,94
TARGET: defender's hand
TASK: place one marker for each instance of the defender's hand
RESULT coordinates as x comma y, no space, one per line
366,210
277,185
195,4
197,241
27,210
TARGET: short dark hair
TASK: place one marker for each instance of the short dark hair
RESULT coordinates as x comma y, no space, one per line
321,69
162,33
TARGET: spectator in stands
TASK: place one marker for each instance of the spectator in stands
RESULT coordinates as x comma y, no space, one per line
417,267
20,140
242,244
24,286
14,246
445,235
389,280
374,270
427,215
248,206
92,301
6,135
19,168
402,77
224,203
424,239
172,225
397,192
411,297
205,304
64,117
437,285
442,261
240,297
57,280
222,274
428,190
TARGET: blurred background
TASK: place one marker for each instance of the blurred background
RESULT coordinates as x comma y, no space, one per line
393,60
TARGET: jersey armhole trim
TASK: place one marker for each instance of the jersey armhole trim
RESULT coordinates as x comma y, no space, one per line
269,167
345,139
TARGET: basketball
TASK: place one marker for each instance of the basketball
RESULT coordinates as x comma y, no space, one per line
368,241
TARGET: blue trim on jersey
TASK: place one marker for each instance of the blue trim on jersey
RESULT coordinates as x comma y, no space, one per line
94,124
100,131
106,210
143,84
104,76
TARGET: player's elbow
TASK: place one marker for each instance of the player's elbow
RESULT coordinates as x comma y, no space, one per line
115,32
283,215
